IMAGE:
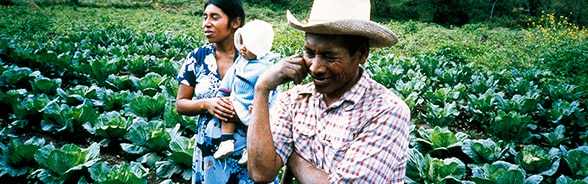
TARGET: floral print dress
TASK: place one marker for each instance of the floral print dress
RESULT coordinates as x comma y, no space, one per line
200,71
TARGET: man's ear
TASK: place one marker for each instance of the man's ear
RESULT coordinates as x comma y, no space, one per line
363,54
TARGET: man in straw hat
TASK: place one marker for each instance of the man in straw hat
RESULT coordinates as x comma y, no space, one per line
344,127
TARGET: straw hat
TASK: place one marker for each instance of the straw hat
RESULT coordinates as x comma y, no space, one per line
257,37
344,17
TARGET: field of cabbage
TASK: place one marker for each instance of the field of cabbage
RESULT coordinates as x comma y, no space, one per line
87,96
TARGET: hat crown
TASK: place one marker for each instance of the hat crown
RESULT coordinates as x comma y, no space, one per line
327,10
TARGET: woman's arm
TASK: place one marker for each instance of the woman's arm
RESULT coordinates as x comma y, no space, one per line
221,108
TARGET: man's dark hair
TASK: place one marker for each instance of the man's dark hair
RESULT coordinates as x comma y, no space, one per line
233,9
355,43
352,43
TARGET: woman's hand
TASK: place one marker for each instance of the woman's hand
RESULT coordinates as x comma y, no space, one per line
221,108
288,69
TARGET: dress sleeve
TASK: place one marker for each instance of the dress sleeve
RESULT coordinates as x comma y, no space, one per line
186,74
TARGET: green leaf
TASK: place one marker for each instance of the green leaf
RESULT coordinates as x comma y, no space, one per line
148,107
147,137
45,85
16,77
577,160
497,172
535,159
486,150
18,158
57,118
557,136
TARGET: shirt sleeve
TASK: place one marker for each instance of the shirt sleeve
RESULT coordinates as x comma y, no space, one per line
379,152
281,127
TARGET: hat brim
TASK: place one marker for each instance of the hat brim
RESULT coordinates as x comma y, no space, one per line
378,35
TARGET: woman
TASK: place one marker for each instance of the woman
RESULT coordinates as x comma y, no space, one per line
199,79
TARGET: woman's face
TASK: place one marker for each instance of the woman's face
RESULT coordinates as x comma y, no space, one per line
216,24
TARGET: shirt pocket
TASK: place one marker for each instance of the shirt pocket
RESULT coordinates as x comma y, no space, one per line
304,128
336,144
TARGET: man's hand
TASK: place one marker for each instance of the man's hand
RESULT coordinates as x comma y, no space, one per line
288,69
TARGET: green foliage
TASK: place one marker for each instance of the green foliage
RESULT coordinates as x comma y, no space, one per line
179,158
512,126
29,106
65,118
17,158
15,77
149,84
116,101
44,85
557,137
441,116
148,107
567,180
439,141
119,173
79,93
67,163
535,159
486,151
501,172
577,159
426,169
110,126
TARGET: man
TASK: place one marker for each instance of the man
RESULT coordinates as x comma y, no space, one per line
343,127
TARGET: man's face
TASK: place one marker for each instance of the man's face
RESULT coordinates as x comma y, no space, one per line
333,69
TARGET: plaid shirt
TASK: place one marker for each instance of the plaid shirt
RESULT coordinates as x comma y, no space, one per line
361,138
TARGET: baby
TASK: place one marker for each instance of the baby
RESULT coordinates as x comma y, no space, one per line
254,41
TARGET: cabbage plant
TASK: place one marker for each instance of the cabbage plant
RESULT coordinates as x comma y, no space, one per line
110,126
150,83
486,151
577,160
147,106
179,158
66,164
149,139
15,77
77,94
534,159
426,169
501,172
439,141
42,84
17,158
119,173
65,118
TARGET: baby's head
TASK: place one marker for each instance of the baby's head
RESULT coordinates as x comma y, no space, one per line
254,39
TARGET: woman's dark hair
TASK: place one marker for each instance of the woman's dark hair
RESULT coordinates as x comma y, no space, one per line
233,9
